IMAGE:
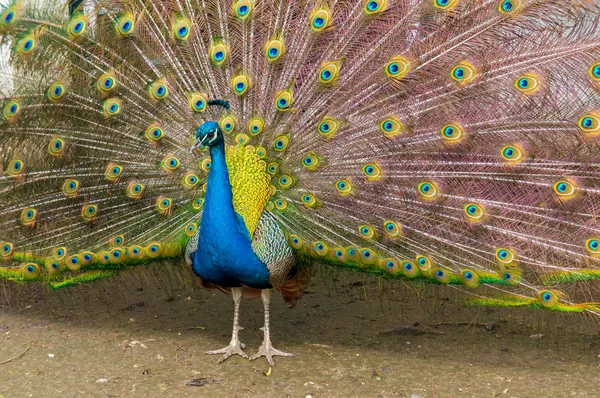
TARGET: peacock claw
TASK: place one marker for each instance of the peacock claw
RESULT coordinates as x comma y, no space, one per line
268,351
231,349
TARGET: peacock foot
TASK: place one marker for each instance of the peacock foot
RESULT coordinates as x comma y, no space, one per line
231,349
268,351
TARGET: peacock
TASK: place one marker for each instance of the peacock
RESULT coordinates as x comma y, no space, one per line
451,142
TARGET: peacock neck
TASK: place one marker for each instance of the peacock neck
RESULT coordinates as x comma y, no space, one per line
218,215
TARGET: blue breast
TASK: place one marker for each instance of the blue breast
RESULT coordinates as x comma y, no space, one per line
225,256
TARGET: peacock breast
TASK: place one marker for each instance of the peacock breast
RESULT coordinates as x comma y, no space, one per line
250,183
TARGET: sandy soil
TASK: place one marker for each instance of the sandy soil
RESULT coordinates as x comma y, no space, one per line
144,335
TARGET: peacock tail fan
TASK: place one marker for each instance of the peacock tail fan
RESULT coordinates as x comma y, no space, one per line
446,141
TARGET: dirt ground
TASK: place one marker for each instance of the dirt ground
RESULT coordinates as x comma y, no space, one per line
144,335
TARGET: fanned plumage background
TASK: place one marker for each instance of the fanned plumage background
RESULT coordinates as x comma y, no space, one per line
455,141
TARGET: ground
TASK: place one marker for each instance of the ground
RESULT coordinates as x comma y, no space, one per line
353,336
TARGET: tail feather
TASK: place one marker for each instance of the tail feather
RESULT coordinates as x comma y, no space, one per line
454,142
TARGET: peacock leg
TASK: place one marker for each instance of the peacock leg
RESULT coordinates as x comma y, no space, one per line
266,349
234,347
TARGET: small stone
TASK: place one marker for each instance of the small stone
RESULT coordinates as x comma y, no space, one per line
51,355
102,381
536,336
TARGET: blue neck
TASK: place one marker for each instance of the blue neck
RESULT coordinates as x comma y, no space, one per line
218,213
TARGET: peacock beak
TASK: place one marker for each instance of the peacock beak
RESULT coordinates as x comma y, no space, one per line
199,143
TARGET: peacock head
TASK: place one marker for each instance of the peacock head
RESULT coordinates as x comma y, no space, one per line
208,134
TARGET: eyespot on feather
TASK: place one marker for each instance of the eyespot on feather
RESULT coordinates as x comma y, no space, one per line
327,127
391,126
87,257
30,270
590,124
310,200
118,240
227,123
113,172
428,190
509,6
181,28
76,27
274,49
89,212
329,72
55,92
158,90
320,248
344,187
125,24
190,229
52,266
469,278
367,256
595,71
392,229
284,100
592,245
154,133
367,232
445,5
11,110
505,255
409,269
25,45
256,125
565,189
286,181
424,263
474,212
452,133
189,180
311,161
28,217
374,7
134,190
56,147
320,18
397,68
390,265
281,143
295,241
70,187
6,250
197,102
15,167
9,16
240,84
528,84
547,298
372,171
106,82
170,163
164,205
218,52
111,107
198,203
463,73
242,9
513,154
